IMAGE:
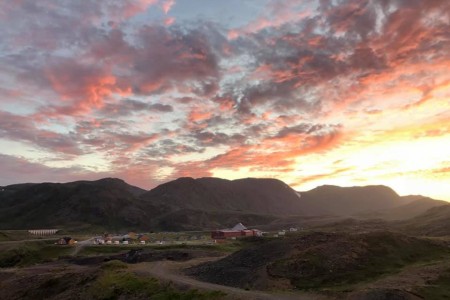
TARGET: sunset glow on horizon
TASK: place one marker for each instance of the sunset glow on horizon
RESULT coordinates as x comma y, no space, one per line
341,92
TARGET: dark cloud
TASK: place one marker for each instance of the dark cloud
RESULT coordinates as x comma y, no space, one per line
167,147
164,57
129,107
211,139
305,128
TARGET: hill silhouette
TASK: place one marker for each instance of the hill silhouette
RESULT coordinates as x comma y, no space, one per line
189,204
109,203
346,201
258,196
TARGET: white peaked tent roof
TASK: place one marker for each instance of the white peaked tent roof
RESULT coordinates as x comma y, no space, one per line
239,226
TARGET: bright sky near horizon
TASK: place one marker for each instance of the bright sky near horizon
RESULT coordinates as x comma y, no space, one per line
343,92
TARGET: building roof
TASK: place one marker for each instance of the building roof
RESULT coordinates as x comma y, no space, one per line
238,226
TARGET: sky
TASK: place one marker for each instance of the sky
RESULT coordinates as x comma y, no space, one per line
341,92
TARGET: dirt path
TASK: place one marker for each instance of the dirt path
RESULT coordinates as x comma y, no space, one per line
171,271
80,245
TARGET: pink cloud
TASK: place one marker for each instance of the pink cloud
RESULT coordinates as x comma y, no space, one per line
167,5
169,21
83,87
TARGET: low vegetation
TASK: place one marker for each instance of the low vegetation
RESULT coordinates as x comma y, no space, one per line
318,261
111,280
346,260
113,249
30,253
4,237
116,283
439,289
114,265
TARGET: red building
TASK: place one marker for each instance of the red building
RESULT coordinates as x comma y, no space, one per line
238,230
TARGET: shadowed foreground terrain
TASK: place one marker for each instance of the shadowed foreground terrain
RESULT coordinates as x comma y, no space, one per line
312,265
336,264
110,280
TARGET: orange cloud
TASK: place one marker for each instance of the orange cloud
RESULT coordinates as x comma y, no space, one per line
197,115
316,177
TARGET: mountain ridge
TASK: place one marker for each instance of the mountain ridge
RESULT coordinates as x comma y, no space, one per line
187,203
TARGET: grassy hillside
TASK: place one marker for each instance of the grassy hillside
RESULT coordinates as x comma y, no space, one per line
437,289
112,280
434,222
30,253
320,260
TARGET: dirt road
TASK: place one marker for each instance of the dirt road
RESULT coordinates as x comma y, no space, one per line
171,271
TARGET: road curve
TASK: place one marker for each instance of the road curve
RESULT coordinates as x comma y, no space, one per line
170,271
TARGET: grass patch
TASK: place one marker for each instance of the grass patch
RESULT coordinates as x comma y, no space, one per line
32,253
5,237
114,265
15,235
117,284
226,247
440,289
106,249
115,249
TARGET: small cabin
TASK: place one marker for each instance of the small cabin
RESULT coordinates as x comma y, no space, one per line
144,238
65,241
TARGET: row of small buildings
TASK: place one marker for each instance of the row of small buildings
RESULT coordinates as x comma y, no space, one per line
240,230
129,238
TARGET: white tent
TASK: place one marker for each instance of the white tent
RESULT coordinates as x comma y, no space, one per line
238,227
